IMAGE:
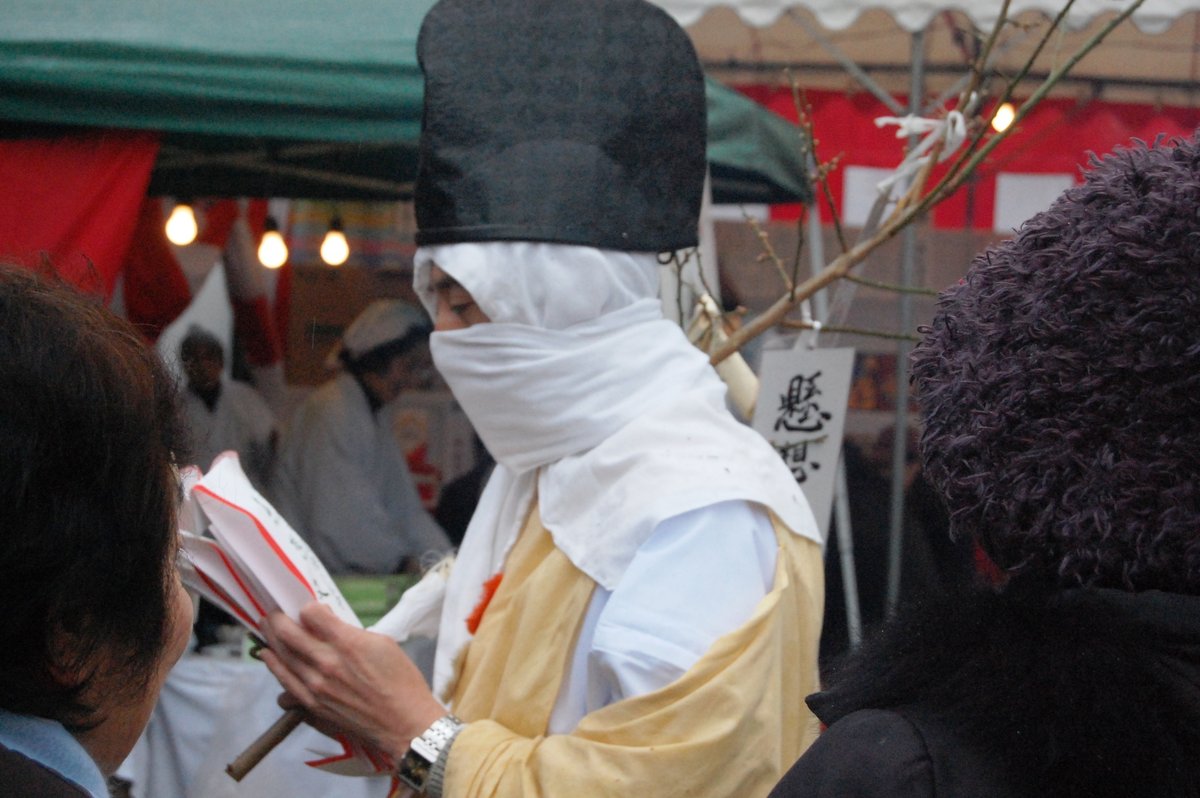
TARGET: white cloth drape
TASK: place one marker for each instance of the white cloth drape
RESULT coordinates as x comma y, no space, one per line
614,420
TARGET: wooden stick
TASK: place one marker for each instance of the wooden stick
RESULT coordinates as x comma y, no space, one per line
265,743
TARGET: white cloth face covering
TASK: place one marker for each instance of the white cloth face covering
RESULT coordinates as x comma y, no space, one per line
590,399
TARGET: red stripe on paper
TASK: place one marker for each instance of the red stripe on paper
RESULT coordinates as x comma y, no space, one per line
266,536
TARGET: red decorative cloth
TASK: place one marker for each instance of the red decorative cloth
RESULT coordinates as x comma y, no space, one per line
76,200
489,590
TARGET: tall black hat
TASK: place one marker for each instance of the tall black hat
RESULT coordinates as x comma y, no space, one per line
565,121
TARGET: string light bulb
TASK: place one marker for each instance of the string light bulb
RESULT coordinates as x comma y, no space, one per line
181,225
334,248
272,250
1003,118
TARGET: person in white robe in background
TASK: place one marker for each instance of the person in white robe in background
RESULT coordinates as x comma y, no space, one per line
225,414
342,480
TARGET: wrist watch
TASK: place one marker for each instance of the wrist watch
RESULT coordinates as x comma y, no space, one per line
423,767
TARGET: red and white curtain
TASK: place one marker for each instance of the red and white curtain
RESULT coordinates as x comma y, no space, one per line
1020,178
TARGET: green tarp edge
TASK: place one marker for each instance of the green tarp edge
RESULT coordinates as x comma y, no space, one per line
279,71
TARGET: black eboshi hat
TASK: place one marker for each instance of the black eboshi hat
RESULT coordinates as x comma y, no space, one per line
565,121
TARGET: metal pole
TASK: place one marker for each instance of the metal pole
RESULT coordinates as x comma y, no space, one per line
907,278
816,257
841,499
845,538
847,63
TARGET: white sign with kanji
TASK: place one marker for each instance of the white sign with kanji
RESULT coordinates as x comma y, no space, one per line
801,411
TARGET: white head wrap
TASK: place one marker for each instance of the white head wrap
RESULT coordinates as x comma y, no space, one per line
548,286
588,397
380,322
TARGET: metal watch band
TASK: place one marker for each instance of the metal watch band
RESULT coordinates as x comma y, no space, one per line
437,773
425,752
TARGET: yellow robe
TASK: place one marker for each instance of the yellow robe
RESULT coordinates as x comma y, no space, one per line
730,726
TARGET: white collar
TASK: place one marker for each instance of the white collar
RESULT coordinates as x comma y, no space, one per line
49,744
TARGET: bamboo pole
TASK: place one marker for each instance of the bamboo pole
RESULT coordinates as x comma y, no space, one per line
266,742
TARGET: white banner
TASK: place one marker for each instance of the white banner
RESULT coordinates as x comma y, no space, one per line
802,412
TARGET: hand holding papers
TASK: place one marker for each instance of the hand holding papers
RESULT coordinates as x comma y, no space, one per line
241,555
253,563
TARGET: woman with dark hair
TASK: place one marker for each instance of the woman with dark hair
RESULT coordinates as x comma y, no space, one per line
1060,391
94,614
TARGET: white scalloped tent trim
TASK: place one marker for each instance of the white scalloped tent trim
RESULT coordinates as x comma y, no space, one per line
1154,16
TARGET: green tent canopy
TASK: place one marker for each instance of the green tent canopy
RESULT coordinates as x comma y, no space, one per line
296,98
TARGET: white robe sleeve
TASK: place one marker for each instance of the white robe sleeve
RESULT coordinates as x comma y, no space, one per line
665,613
344,484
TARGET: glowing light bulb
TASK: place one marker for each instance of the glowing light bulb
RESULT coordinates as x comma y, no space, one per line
1003,117
181,225
335,249
272,250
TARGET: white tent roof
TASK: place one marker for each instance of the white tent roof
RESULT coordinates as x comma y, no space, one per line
1154,16
1152,59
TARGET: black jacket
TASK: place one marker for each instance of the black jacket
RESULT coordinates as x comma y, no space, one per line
1082,693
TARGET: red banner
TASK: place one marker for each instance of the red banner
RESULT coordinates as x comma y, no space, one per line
156,290
75,200
1055,138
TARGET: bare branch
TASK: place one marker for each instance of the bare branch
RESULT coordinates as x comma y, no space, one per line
899,289
908,211
769,250
953,179
785,304
792,324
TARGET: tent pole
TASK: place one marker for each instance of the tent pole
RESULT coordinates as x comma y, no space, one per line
841,499
841,514
856,72
252,161
907,278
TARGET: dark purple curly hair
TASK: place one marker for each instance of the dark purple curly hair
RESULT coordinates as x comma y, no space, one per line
1060,383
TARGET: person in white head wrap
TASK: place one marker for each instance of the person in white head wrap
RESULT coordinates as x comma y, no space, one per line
636,604
594,403
223,413
341,479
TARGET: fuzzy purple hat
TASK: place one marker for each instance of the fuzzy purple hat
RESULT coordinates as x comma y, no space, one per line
1060,383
